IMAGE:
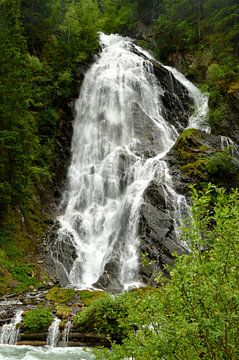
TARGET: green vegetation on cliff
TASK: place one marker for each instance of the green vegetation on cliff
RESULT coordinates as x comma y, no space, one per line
60,295
204,161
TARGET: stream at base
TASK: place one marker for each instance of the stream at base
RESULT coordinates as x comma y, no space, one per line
11,352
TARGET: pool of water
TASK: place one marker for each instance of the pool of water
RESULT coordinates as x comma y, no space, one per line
8,352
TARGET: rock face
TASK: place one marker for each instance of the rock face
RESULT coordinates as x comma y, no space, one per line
156,231
63,260
186,161
190,151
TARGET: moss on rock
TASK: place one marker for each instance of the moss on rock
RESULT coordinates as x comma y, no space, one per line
87,296
195,169
61,295
189,146
201,158
63,311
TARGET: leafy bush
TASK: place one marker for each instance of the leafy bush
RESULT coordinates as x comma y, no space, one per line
217,115
194,314
215,73
221,167
37,320
105,316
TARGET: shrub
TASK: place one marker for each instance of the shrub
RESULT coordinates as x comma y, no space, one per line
194,314
37,320
105,316
217,115
221,167
215,73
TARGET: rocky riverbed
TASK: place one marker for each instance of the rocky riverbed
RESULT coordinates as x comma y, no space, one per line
32,317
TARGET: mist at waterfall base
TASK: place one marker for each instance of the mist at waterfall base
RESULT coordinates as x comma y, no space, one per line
108,175
10,352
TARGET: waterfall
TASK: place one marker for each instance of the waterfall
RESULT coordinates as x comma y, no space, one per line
66,333
53,333
9,332
226,142
112,164
199,116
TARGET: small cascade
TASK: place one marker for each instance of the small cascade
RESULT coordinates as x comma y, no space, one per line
176,205
53,333
9,332
66,333
226,142
198,119
180,206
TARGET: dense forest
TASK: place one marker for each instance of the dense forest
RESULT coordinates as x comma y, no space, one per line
45,48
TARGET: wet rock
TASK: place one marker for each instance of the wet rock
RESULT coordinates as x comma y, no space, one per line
60,254
147,132
175,98
109,279
156,231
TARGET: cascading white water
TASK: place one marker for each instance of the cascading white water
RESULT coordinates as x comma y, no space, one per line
107,176
227,143
9,332
66,333
53,333
197,119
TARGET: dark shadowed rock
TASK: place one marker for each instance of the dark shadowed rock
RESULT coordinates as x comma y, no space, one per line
109,279
60,253
156,231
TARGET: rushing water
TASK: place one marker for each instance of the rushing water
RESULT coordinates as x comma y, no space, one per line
66,333
53,333
198,118
9,332
107,176
227,143
43,353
